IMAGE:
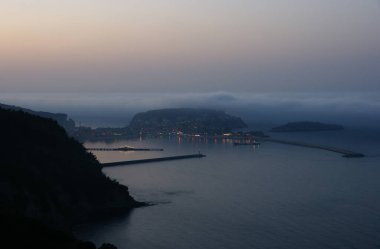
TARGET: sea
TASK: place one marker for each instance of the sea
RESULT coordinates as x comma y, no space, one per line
271,196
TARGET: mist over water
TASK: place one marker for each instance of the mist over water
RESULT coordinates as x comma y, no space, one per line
117,109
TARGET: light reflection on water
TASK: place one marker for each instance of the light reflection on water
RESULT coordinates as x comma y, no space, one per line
272,196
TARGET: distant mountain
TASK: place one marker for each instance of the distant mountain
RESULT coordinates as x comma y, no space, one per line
186,120
61,118
306,126
49,181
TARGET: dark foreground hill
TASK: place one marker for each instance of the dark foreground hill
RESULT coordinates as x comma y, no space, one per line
186,120
48,182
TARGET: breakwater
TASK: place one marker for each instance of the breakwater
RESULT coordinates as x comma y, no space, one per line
123,149
344,152
152,160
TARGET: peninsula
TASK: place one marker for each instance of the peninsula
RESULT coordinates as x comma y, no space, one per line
61,118
192,121
184,120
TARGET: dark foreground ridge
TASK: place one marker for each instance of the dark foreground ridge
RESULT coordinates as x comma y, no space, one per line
49,182
344,152
152,160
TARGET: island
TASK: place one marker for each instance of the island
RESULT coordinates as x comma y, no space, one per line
48,183
306,126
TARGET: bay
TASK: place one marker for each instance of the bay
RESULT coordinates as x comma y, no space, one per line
268,196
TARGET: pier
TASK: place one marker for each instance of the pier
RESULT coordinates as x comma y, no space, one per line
344,152
152,160
126,148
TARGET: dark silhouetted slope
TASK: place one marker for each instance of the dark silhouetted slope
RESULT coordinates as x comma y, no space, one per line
50,178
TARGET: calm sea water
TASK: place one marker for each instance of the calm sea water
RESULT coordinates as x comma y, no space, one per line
272,196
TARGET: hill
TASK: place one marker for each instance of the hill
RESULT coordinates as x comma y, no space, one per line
49,179
186,120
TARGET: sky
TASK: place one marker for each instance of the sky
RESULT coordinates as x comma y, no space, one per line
268,61
182,46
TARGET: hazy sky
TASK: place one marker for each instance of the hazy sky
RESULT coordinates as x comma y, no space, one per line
189,45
